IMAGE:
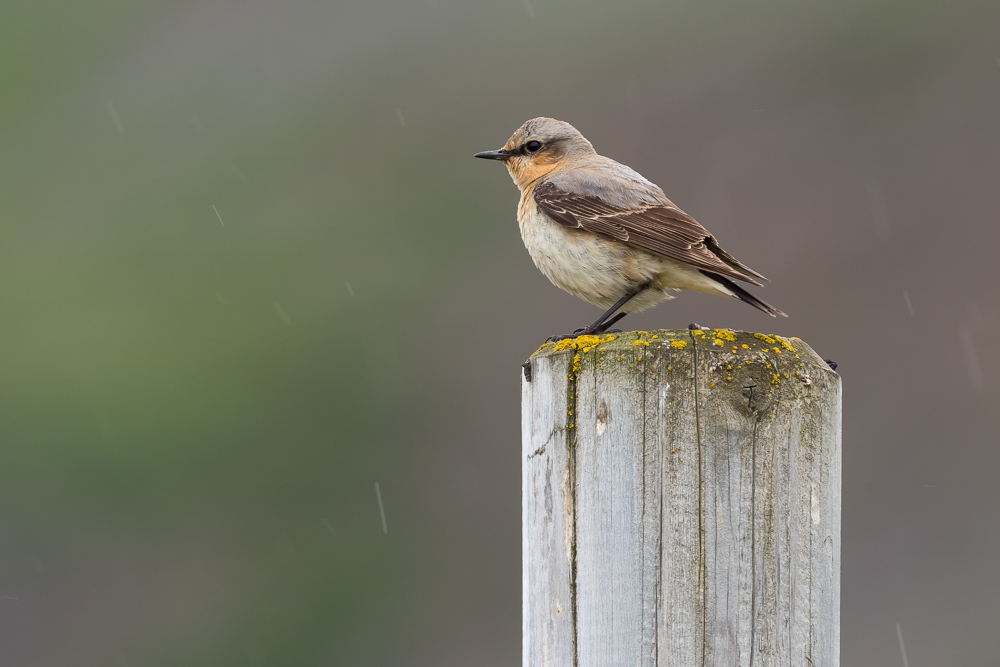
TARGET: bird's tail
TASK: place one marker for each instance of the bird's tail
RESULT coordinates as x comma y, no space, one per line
745,296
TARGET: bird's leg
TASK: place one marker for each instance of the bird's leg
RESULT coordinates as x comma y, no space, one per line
605,321
606,326
611,315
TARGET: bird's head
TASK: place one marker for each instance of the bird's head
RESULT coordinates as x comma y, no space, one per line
540,146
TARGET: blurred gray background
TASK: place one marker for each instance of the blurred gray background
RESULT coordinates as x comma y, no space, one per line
249,268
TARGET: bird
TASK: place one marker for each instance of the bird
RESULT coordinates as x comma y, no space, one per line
602,232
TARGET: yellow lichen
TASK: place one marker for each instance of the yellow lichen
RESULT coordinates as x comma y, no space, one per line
698,332
765,338
582,343
777,350
745,346
576,363
718,341
678,344
711,384
725,334
640,342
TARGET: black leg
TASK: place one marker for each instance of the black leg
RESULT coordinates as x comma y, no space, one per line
609,322
607,319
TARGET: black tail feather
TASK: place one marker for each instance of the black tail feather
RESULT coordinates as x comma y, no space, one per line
743,295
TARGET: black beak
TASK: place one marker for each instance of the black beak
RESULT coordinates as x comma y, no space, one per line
493,155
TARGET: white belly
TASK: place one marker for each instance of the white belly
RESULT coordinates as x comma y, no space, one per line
579,262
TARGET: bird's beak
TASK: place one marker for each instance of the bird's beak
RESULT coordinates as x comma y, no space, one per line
493,155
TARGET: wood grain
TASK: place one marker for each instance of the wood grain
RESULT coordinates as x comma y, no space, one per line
681,502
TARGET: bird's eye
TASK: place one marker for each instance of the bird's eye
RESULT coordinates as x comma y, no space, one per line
532,146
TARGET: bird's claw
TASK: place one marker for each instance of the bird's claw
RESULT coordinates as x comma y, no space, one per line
585,331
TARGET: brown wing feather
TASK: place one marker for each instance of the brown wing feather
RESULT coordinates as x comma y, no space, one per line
662,230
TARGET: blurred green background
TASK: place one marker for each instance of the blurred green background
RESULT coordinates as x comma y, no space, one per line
249,268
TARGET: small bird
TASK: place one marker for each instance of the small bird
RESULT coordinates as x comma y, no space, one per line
600,231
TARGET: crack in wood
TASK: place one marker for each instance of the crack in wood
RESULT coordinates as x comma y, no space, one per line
702,556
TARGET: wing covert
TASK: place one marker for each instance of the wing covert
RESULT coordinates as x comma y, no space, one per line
656,228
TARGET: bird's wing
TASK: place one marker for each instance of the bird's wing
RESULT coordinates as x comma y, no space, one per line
661,229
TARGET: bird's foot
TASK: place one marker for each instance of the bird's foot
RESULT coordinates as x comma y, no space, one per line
694,326
832,364
592,330
585,331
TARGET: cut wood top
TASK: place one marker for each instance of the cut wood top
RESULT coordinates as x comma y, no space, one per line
735,358
742,344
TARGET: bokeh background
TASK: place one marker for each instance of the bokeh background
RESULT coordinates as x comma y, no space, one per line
249,269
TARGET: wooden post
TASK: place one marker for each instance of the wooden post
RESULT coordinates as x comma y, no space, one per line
681,502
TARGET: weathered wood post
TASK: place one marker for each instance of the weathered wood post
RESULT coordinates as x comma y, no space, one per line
681,502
